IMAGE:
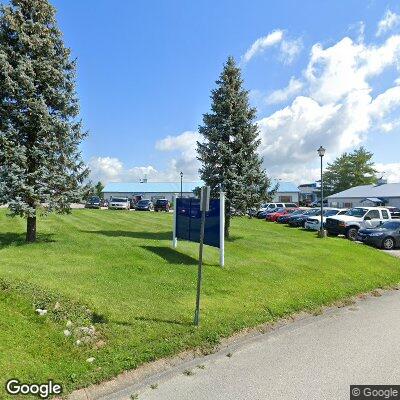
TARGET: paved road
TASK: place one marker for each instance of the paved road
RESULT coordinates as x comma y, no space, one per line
314,358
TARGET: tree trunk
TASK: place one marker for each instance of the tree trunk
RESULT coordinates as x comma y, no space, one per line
31,229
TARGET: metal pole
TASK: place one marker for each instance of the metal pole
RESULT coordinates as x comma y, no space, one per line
174,215
200,269
222,229
181,183
322,201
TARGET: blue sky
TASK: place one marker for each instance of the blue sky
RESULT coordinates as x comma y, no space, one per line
145,71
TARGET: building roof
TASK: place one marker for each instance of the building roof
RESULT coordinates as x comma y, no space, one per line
175,187
287,187
150,187
379,191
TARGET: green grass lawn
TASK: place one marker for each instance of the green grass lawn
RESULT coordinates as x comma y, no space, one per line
141,293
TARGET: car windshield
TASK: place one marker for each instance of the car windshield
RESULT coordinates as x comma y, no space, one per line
94,199
279,209
329,213
162,202
143,202
357,212
119,199
390,225
297,212
314,211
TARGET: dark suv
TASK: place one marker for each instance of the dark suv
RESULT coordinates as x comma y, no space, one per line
93,202
394,212
161,205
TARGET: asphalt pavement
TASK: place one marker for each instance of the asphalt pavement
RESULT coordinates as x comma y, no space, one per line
317,357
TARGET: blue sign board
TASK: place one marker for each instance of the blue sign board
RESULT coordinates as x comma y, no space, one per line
188,216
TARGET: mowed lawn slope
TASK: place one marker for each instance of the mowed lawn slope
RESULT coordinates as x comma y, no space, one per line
121,266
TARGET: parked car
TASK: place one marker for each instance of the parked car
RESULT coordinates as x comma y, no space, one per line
272,217
132,204
263,214
317,203
299,220
394,212
119,203
385,236
284,219
162,205
144,205
273,206
314,223
93,202
104,203
356,218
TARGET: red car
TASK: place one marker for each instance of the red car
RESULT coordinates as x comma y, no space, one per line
279,213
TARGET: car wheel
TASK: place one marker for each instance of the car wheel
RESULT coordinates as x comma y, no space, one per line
388,243
351,234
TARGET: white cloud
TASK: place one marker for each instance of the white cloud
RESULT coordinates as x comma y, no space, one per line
388,22
390,171
183,142
262,43
111,169
105,169
290,49
184,151
346,66
281,95
338,108
390,126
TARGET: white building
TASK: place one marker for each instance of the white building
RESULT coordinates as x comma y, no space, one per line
287,192
367,195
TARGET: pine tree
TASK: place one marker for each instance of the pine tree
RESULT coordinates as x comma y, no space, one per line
40,164
349,170
229,151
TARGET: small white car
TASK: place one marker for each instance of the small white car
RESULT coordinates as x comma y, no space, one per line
272,206
119,203
314,223
356,218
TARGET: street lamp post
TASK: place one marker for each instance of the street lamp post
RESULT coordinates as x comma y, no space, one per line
322,233
181,182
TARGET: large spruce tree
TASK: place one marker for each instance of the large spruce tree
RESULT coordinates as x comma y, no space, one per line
229,151
349,170
40,164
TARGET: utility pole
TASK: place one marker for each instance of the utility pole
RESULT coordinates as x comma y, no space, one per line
322,233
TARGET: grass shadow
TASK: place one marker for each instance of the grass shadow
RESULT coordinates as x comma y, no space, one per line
233,238
171,255
149,319
134,234
18,239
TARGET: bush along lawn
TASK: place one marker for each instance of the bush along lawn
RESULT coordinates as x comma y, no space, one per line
116,295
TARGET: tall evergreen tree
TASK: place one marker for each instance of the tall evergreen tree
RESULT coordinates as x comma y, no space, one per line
229,151
40,162
349,170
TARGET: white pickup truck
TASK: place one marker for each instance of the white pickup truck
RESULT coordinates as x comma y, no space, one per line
356,218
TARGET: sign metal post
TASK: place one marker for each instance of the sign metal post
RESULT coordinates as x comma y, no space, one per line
174,216
222,229
204,206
